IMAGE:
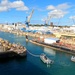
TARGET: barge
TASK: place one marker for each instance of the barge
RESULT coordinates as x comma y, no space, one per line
12,54
54,46
8,50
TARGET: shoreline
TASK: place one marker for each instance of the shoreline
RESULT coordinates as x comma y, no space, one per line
21,33
37,36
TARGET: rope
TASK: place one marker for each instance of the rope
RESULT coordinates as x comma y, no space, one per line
33,54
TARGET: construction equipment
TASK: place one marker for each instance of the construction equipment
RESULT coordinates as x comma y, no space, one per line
28,19
47,20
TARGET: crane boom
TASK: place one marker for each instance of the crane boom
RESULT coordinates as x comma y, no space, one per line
29,17
47,20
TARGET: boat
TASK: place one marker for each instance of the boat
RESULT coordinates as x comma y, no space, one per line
73,58
45,59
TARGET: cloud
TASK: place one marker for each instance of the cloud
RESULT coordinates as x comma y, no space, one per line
72,17
50,7
4,5
18,5
63,6
4,2
60,6
22,8
3,8
58,11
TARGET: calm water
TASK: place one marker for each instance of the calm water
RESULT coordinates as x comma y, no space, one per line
33,65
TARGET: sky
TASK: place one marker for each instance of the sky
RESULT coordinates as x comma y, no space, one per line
60,12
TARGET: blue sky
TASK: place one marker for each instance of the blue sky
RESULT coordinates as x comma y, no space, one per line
62,12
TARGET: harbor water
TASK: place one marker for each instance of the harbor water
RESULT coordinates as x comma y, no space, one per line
32,65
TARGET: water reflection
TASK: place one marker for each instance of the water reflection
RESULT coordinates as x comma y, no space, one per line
49,51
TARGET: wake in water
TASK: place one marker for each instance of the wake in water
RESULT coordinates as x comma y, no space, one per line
48,65
33,54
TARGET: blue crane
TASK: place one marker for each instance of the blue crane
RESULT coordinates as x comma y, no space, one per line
28,19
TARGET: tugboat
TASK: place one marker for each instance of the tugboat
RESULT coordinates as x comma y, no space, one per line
26,38
73,58
45,59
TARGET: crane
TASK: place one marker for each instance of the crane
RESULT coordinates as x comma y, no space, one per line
73,21
28,19
47,20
